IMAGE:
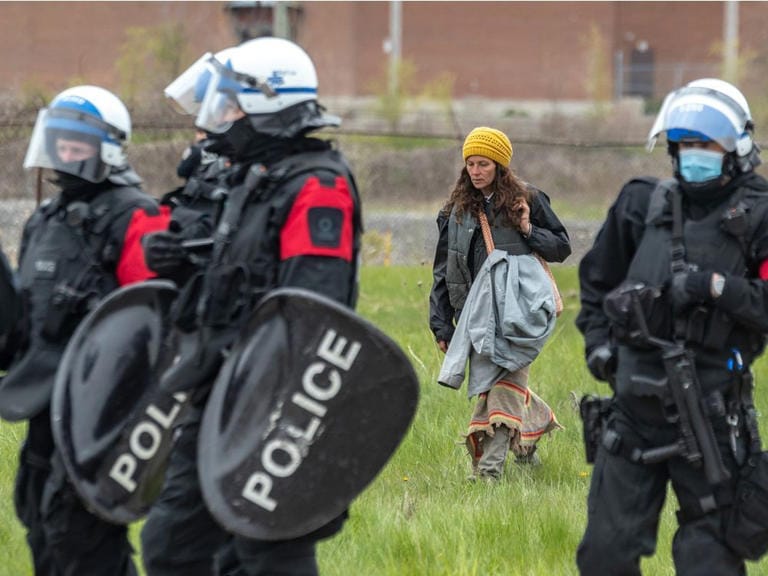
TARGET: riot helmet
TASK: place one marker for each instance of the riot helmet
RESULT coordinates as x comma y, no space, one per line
707,110
270,83
81,133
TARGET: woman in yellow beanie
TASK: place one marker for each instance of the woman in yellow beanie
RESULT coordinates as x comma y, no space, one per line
520,220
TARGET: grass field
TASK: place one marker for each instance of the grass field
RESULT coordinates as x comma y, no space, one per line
420,516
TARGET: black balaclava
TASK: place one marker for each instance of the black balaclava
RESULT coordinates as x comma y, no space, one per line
75,188
249,145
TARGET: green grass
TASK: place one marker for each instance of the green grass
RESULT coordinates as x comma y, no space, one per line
420,516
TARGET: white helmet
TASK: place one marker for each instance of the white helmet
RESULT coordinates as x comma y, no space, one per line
80,133
270,80
709,109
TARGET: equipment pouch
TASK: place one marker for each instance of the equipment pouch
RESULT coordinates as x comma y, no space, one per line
746,530
620,306
225,296
67,308
184,308
594,412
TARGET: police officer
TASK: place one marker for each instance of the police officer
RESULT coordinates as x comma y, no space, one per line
75,249
292,218
685,261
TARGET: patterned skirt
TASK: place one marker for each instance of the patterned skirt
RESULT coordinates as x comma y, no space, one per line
511,403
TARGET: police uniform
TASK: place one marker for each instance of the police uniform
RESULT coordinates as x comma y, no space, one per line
291,219
725,232
75,249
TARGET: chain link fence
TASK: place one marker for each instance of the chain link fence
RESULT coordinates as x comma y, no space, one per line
580,161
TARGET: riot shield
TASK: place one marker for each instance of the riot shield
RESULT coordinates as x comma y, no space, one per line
309,406
111,420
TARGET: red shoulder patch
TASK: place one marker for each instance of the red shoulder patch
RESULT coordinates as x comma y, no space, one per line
131,267
320,222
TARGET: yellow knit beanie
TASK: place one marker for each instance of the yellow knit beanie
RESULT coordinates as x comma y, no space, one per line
488,142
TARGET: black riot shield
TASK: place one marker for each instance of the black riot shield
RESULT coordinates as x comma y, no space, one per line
307,409
111,421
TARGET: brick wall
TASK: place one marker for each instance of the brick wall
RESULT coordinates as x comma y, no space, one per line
506,50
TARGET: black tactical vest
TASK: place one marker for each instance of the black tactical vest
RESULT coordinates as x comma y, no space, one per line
708,246
246,253
711,243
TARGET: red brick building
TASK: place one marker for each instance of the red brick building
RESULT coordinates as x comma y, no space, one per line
496,50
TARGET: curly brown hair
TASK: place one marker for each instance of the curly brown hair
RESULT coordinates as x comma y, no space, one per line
506,187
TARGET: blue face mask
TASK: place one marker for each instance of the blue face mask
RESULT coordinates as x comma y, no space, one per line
698,165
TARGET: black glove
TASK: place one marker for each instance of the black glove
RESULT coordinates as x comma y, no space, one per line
164,253
190,223
691,288
601,362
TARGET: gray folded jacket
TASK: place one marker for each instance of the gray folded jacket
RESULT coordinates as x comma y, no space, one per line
508,316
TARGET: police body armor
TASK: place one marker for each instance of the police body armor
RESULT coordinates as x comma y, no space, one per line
245,256
244,263
458,276
67,266
203,192
715,242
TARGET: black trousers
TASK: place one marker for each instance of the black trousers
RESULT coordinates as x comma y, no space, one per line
180,537
64,538
626,500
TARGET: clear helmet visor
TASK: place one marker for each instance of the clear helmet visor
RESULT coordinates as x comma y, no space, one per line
696,110
220,107
227,97
186,93
73,145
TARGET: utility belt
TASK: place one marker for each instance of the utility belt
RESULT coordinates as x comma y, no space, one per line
736,409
